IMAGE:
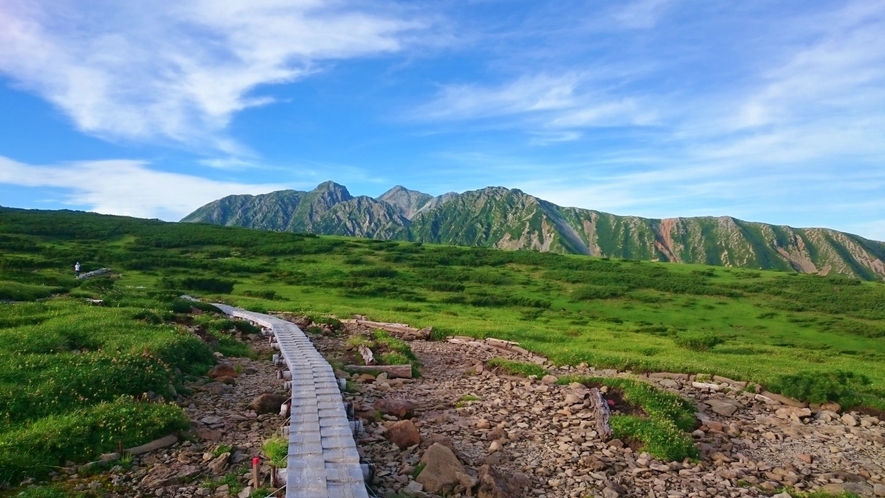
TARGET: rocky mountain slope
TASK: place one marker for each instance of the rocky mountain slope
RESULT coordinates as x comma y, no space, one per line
511,219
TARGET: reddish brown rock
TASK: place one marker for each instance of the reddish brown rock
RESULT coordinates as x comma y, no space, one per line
222,370
268,403
403,434
399,408
441,467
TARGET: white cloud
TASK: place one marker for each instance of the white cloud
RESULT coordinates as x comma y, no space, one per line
527,94
125,187
843,71
178,71
227,163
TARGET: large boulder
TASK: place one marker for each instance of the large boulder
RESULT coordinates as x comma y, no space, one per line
399,408
223,370
403,434
493,484
268,403
441,469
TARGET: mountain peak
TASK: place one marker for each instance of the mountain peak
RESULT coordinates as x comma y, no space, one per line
406,202
332,192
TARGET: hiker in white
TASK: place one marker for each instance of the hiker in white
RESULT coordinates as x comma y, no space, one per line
77,269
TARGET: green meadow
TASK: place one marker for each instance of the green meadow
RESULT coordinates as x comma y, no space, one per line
810,336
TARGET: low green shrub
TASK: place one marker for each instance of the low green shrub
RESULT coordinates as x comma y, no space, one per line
230,347
397,351
697,342
204,284
185,306
50,491
511,367
15,291
816,387
333,323
591,292
268,294
441,286
659,438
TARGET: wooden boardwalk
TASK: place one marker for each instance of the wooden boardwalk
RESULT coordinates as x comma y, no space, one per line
323,460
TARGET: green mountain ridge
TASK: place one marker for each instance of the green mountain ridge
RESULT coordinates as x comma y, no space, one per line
510,219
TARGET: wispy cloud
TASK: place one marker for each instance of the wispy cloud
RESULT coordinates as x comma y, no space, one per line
642,13
544,105
125,187
178,71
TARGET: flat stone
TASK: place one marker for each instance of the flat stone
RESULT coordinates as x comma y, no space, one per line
722,407
549,379
784,400
212,420
859,488
670,383
494,484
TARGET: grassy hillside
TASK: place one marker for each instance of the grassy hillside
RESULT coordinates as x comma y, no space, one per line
643,316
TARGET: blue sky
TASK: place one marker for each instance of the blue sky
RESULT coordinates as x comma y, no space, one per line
764,110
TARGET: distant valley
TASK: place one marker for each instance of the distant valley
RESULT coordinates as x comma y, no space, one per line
511,219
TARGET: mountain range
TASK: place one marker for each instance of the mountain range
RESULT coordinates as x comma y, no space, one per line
511,219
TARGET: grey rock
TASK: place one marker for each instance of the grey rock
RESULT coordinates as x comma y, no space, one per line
219,463
722,407
494,484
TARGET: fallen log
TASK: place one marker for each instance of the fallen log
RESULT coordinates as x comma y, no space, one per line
393,371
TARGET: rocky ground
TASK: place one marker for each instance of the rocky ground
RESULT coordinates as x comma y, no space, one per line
477,432
526,437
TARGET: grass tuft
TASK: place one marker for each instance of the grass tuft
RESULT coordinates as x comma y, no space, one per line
510,367
276,449
662,431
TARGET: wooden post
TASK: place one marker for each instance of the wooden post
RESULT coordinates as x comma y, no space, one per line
366,353
600,407
255,462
